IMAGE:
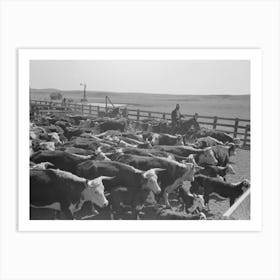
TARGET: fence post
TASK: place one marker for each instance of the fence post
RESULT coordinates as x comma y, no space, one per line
163,116
138,115
82,109
98,110
215,122
150,115
90,109
235,127
246,134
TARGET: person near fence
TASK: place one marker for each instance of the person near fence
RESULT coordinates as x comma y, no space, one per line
175,118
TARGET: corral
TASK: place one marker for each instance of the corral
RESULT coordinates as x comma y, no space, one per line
234,126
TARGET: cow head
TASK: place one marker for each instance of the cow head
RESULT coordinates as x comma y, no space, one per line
190,159
190,170
150,180
245,185
49,146
198,203
100,155
54,137
94,191
237,141
208,157
230,169
180,140
232,149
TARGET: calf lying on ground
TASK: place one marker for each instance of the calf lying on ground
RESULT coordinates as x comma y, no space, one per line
208,185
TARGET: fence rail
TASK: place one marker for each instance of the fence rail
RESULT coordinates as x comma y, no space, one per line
240,127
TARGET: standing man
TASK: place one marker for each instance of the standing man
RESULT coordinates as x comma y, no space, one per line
175,118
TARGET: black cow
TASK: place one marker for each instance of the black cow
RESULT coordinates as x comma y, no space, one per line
124,175
141,152
60,159
223,153
219,135
208,185
173,172
168,214
215,171
163,139
203,155
120,125
49,187
121,197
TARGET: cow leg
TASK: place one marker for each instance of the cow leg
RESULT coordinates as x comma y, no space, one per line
67,214
231,201
168,190
206,200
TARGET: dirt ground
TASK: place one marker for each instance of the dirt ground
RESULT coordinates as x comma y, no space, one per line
241,164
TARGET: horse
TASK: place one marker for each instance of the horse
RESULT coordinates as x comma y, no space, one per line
185,126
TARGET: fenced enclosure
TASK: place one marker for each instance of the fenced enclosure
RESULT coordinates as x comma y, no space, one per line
235,126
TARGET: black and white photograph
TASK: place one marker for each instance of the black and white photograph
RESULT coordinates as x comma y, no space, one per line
140,139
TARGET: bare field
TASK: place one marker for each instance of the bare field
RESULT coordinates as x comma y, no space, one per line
231,106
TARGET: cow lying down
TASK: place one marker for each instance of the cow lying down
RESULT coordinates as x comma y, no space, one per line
207,186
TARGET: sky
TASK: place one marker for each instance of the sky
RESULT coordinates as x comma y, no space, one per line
163,77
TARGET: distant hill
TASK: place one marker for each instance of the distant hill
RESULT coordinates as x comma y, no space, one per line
44,90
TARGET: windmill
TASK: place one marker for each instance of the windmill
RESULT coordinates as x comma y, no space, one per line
84,99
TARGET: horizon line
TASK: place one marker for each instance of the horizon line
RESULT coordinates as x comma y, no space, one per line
136,92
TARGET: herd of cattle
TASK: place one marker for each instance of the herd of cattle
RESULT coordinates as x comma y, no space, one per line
104,168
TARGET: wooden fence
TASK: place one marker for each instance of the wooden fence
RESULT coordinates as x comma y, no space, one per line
235,126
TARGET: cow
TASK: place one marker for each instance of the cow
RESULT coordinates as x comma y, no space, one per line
124,175
56,186
49,146
42,165
192,202
169,214
60,159
134,136
77,151
208,185
223,153
164,139
54,136
207,141
172,174
121,197
205,155
140,152
215,171
112,124
219,135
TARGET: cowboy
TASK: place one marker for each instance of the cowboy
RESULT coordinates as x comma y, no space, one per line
175,118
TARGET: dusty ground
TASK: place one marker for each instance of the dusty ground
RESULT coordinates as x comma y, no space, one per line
241,164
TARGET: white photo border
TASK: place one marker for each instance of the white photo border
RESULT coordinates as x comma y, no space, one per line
255,57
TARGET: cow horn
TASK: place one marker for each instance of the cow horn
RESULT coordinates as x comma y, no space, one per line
106,178
158,169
